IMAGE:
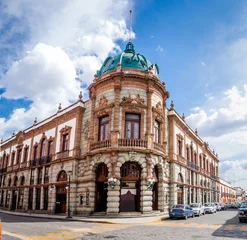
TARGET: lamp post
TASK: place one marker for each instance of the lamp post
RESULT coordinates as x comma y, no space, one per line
68,215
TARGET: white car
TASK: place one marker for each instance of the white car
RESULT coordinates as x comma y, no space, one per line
210,208
198,209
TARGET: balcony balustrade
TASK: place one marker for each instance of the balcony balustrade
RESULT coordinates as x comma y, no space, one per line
10,168
100,144
3,170
192,165
23,165
63,154
129,142
40,161
16,167
159,146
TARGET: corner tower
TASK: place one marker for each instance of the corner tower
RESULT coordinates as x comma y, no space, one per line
127,144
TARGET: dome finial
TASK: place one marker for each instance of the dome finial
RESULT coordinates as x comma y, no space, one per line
130,31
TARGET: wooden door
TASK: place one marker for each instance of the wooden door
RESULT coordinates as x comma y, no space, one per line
101,197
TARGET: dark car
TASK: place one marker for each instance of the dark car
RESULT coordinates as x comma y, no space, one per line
181,211
242,213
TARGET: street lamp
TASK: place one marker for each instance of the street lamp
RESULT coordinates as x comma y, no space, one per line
68,187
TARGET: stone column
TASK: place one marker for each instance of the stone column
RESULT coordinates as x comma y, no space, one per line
52,200
10,199
42,198
146,198
25,199
34,198
149,129
113,199
185,193
73,198
91,128
17,199
115,132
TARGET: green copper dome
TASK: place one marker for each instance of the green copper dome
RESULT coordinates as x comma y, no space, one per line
128,59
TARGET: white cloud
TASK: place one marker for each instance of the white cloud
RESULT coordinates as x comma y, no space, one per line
64,36
159,49
203,64
209,96
195,109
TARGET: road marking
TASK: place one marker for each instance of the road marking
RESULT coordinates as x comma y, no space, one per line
243,228
201,226
16,235
230,227
215,226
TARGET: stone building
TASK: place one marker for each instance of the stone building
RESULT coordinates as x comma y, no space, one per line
227,192
120,151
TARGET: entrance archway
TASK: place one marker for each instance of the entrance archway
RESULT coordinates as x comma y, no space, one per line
101,186
61,192
130,187
155,188
180,192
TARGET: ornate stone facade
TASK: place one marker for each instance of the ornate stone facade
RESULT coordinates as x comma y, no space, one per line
120,146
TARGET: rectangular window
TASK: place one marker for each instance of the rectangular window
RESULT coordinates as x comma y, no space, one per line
180,147
35,152
103,128
188,153
32,177
42,152
156,132
25,154
12,158
47,169
30,199
65,142
132,126
50,144
38,194
45,198
40,174
19,156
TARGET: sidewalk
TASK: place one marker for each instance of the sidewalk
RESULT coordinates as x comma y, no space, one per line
124,220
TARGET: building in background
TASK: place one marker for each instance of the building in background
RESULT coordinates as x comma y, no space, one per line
227,192
240,194
120,151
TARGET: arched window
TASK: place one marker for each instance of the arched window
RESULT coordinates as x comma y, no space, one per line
130,170
180,178
62,176
15,181
156,131
22,180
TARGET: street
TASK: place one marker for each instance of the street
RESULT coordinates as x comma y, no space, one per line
221,225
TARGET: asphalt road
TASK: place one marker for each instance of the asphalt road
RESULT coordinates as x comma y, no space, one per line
218,226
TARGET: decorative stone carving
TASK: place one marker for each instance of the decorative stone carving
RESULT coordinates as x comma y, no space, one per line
166,169
132,156
149,165
114,159
97,158
136,100
85,130
103,101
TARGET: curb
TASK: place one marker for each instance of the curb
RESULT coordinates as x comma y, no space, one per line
78,220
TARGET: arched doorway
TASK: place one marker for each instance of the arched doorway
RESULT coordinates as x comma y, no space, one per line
155,188
130,187
61,192
180,192
101,186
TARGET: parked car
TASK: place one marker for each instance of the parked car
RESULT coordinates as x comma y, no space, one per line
181,211
198,209
210,208
242,213
228,205
217,205
237,205
223,207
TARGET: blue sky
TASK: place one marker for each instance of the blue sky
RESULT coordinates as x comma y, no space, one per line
199,46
